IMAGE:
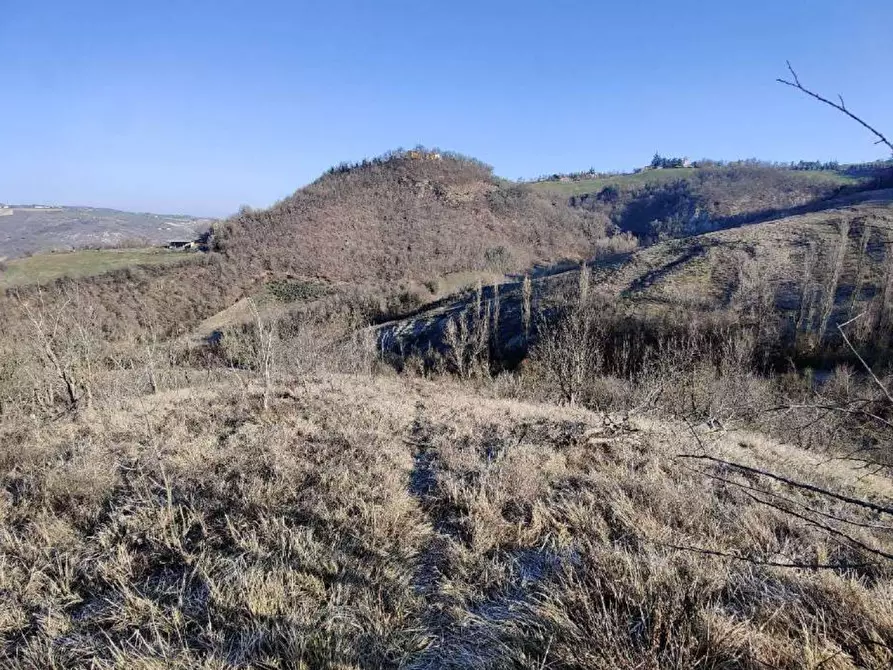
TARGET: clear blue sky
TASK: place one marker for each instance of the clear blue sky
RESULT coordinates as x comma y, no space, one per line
199,106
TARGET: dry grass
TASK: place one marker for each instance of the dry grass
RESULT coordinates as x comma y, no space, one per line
396,522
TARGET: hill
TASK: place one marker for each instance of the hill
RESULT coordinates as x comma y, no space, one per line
630,181
26,230
375,224
409,217
801,272
680,202
674,202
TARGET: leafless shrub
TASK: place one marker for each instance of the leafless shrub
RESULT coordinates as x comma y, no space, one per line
264,351
568,348
467,339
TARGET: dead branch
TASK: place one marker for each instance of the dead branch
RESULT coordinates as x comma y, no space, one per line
790,482
841,107
862,360
757,561
789,501
823,526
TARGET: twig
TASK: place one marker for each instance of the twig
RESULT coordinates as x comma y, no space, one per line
823,526
839,107
757,561
862,360
790,482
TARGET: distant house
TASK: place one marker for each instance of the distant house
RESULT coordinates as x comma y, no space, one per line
182,245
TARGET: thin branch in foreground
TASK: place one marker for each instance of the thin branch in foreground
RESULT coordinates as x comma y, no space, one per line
839,107
790,482
829,529
757,561
788,501
877,381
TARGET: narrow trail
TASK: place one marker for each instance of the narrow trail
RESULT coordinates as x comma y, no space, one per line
433,560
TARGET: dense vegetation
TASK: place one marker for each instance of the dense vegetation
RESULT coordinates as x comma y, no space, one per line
408,217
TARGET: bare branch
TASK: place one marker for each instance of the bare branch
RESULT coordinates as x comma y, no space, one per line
823,526
757,561
793,74
790,482
862,360
839,107
790,501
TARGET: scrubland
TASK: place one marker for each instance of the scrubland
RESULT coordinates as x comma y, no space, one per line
316,508
668,458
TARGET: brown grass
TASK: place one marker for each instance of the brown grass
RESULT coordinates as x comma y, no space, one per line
281,498
394,522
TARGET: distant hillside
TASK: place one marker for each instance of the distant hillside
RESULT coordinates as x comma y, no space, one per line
26,230
413,218
579,183
408,216
686,201
799,274
45,268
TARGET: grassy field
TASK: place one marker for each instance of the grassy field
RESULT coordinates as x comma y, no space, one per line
371,522
47,267
570,188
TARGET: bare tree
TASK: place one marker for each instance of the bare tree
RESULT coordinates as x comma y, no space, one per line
569,345
828,301
494,328
48,334
864,239
265,345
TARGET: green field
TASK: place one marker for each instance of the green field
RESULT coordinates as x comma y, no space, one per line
44,268
570,188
